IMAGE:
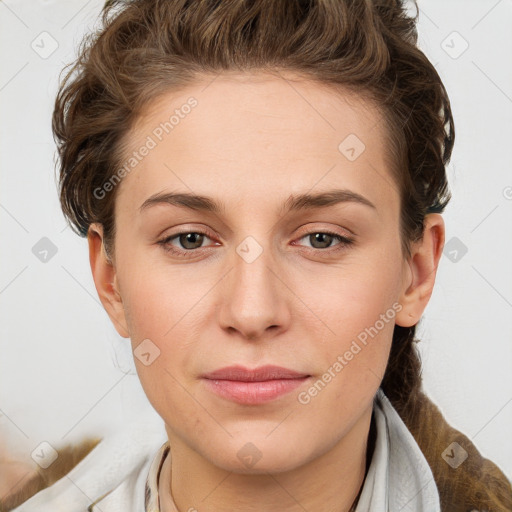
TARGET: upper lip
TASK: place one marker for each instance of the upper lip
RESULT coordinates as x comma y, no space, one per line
241,373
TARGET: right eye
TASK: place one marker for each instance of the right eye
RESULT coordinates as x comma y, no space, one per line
190,241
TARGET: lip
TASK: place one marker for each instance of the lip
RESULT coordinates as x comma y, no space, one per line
253,386
262,373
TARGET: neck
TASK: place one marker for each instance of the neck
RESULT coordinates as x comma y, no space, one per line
330,482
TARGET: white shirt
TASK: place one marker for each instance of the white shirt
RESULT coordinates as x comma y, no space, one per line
121,473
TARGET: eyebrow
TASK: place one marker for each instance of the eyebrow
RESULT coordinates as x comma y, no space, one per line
293,203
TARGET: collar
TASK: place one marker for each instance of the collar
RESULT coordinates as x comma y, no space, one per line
399,477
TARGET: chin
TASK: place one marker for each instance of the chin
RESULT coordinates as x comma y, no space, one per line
259,457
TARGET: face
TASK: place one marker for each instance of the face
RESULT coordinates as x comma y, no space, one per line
294,260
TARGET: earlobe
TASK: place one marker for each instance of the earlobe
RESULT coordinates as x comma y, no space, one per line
105,279
420,271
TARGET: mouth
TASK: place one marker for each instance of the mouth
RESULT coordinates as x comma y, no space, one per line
256,386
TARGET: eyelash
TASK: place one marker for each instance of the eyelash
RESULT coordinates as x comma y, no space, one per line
344,242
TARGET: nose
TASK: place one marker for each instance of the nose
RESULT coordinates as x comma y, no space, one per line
254,299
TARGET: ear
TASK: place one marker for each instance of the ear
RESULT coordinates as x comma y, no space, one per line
105,279
420,271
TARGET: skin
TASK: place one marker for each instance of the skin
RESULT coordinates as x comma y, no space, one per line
252,141
17,473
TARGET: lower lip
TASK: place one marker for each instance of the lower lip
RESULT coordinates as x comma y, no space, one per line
253,392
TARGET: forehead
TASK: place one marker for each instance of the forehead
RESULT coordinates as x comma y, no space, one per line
239,134
259,103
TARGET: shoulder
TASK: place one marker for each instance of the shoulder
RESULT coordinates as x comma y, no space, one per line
466,481
113,473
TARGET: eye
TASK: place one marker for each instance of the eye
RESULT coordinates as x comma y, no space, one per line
323,240
186,242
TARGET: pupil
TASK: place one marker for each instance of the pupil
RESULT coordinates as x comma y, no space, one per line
320,236
189,239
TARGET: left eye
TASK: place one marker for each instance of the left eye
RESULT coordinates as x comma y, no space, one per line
324,239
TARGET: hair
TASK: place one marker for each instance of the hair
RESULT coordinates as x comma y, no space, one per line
146,48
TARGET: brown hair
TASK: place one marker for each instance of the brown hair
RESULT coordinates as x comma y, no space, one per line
148,47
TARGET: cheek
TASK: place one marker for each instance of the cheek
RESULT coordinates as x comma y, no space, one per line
162,323
358,318
353,359
165,309
158,299
352,296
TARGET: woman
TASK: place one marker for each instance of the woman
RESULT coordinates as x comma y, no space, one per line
261,186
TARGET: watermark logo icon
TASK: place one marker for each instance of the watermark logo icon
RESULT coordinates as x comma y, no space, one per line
146,352
351,147
44,455
44,45
44,250
454,455
454,45
455,249
249,249
249,455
